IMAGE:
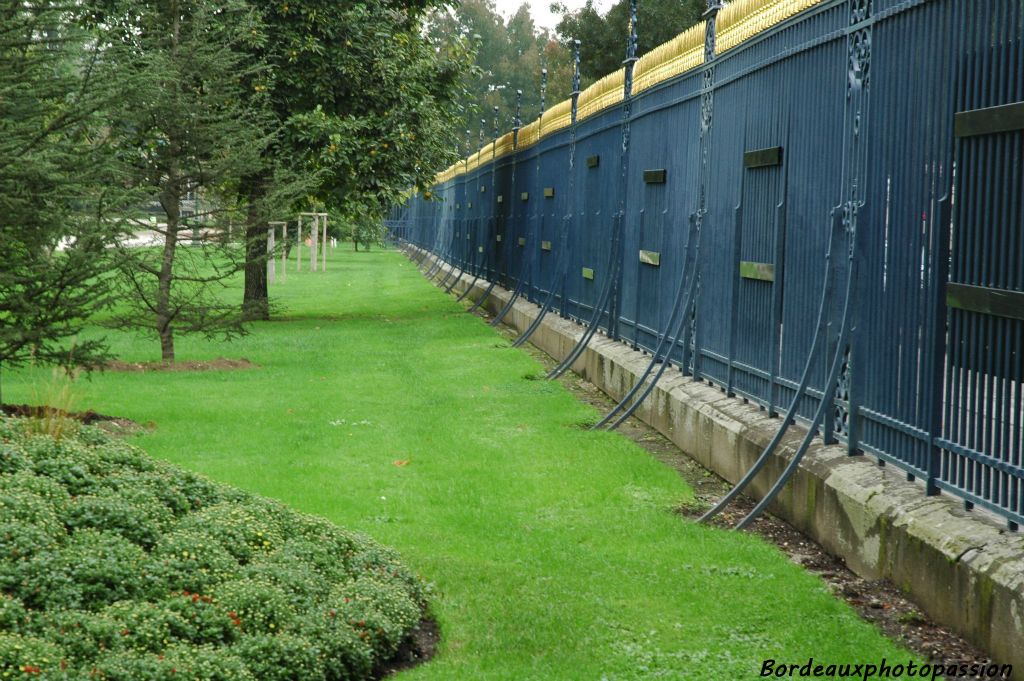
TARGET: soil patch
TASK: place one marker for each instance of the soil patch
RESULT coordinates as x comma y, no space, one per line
417,649
877,601
115,425
219,364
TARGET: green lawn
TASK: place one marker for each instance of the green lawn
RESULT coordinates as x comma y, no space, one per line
554,551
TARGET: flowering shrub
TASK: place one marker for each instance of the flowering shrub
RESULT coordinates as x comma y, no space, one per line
132,513
13,616
190,560
115,566
174,664
280,658
11,458
256,606
380,611
89,571
241,531
24,656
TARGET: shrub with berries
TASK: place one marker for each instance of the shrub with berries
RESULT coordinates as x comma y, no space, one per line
116,566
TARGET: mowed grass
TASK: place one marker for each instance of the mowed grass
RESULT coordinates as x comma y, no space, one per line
555,552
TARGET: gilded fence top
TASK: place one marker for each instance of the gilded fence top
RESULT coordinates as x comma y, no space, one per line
743,19
473,161
503,145
529,134
679,55
556,118
482,156
602,94
448,173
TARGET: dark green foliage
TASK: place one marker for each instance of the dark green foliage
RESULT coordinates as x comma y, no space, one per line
367,99
380,611
135,514
366,102
101,570
56,188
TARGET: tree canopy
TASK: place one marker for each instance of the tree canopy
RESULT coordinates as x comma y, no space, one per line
604,35
365,99
510,54
509,57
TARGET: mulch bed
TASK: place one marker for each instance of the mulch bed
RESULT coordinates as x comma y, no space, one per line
416,650
219,364
112,424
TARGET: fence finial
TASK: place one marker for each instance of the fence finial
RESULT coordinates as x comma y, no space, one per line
710,16
575,77
632,38
543,88
516,120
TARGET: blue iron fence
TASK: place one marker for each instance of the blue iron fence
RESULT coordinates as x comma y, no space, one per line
825,212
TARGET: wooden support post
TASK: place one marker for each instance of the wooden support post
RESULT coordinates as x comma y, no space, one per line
323,216
298,245
271,263
314,233
271,256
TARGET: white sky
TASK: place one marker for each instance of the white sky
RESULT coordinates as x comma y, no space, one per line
540,9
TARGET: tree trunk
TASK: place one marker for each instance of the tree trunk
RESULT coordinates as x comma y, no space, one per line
171,205
256,298
167,344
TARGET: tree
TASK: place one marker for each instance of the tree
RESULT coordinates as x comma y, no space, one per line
509,58
604,36
56,187
366,104
187,135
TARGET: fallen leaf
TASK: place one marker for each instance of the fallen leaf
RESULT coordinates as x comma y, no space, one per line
401,462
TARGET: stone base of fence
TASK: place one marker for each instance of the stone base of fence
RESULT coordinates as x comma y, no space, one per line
962,568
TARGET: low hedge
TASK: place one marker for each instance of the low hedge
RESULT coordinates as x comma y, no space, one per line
116,566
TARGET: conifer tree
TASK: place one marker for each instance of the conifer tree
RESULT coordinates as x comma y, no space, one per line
188,134
57,187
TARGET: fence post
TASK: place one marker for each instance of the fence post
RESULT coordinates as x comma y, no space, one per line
843,413
569,219
691,348
627,111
